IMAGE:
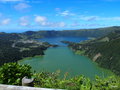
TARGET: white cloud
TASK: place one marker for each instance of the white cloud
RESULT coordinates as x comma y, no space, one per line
43,21
64,13
57,9
74,24
110,18
21,6
91,25
24,21
89,18
98,18
61,24
5,21
40,19
56,24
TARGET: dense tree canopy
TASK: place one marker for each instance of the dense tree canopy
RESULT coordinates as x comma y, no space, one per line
108,51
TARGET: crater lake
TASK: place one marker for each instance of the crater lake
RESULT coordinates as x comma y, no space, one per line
64,59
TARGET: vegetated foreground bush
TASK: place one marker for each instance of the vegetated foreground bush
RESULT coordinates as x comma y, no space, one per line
12,73
51,80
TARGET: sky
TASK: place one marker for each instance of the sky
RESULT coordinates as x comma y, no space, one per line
24,15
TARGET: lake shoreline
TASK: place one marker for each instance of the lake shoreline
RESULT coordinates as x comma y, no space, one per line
64,59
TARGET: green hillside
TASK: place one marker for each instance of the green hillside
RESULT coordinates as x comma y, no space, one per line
105,51
13,47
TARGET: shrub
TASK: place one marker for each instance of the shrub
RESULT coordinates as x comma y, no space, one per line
51,80
46,79
12,73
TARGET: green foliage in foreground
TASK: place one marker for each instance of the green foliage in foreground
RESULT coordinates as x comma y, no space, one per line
51,80
12,73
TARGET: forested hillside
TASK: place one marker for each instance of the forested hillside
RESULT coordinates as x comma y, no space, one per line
105,51
13,47
71,33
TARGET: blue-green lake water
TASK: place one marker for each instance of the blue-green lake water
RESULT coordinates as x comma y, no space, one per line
64,59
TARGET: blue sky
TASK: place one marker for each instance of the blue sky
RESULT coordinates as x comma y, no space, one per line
22,15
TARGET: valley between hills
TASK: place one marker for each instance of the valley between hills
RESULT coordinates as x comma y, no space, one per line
102,47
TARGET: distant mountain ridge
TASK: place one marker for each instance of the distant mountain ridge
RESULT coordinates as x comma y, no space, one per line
98,32
72,33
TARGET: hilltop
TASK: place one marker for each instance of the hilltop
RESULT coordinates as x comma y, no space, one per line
98,32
